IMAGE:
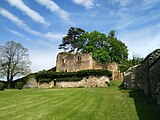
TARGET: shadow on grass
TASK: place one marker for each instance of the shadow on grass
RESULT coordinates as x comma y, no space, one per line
146,108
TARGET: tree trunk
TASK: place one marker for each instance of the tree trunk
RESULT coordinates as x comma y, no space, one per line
9,84
8,80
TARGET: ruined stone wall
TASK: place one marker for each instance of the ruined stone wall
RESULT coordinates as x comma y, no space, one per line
114,67
154,74
73,62
147,76
31,83
91,81
97,65
130,77
116,74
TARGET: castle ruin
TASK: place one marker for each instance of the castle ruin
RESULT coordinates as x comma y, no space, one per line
67,62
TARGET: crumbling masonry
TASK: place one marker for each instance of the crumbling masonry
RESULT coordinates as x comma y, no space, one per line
146,76
75,62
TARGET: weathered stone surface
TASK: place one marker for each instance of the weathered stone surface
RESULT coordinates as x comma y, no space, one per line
130,77
154,74
146,76
75,62
91,81
31,83
46,85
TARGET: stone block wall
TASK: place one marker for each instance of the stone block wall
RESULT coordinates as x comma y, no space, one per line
91,81
73,62
130,78
146,76
154,74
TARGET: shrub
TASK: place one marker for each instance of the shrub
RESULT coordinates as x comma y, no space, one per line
19,85
1,86
69,76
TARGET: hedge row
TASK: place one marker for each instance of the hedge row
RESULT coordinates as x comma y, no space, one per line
69,76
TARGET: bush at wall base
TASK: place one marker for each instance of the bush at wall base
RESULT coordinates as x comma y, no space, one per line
19,85
1,86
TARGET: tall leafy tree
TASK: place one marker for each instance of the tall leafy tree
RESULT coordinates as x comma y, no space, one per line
104,48
117,49
97,44
14,61
70,42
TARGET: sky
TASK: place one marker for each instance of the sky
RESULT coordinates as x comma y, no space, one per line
39,25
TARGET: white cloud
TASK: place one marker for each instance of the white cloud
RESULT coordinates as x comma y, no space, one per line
142,41
135,16
20,23
31,13
51,35
45,44
123,3
54,8
15,32
88,4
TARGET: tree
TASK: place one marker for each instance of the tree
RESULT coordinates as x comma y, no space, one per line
135,60
97,44
70,41
14,61
104,48
117,49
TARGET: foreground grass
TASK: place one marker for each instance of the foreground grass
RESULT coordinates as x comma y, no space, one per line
76,104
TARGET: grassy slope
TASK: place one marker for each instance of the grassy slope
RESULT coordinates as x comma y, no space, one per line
75,104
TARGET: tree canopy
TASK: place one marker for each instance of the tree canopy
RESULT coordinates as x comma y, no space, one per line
104,48
71,41
14,61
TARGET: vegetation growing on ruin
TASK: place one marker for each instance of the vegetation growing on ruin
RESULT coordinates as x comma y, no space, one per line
69,76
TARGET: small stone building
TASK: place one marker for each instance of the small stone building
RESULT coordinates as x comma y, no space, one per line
68,62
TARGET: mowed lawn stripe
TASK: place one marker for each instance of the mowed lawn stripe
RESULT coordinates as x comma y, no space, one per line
108,103
24,101
69,105
35,105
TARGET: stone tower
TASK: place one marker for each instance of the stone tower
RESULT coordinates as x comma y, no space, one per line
67,62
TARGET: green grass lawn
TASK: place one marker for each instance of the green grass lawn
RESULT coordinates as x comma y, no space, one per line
108,103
